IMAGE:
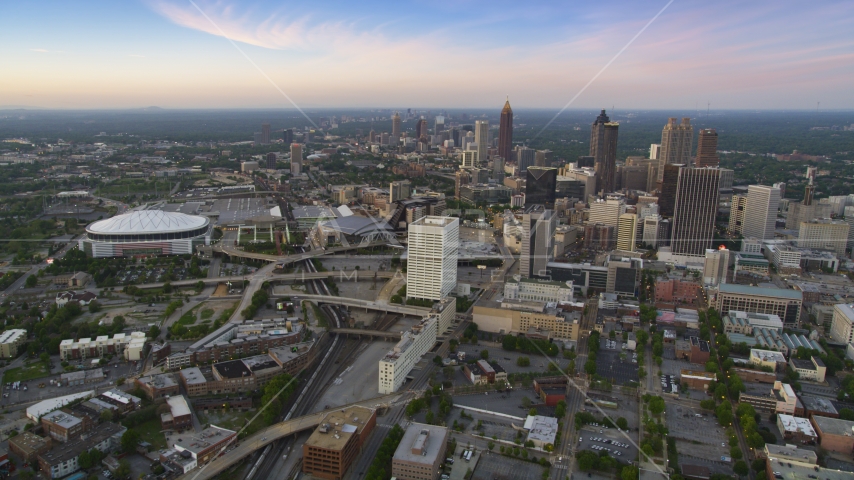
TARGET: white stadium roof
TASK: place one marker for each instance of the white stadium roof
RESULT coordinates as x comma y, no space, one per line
148,221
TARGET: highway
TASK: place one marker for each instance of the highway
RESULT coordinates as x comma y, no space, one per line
367,304
339,275
236,252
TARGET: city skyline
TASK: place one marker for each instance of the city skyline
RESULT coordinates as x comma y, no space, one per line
173,55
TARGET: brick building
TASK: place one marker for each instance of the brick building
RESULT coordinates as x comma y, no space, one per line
332,447
62,426
834,434
29,446
420,453
158,386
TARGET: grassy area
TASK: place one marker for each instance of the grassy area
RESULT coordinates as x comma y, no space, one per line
321,318
27,372
237,420
207,313
151,433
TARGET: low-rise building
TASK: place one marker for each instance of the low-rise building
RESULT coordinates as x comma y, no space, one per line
335,443
551,389
179,416
790,453
83,298
695,350
541,430
818,406
696,379
535,290
834,434
812,370
28,446
779,399
420,453
158,386
64,459
787,469
123,401
796,429
785,303
10,342
206,444
83,377
767,358
81,349
62,426
517,316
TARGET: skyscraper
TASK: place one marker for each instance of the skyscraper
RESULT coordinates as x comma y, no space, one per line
736,214
540,187
481,137
760,212
468,158
676,143
431,270
603,148
627,232
265,133
498,168
395,127
462,177
505,132
667,196
525,158
707,148
271,161
421,130
697,192
296,159
287,136
537,245
439,125
399,190
716,266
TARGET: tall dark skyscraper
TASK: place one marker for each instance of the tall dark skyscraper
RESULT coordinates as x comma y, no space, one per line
697,194
667,197
505,133
603,148
421,130
707,148
287,136
540,185
265,133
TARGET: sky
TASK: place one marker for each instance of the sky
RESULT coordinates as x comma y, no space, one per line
439,53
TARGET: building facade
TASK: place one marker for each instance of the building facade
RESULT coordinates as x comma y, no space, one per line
431,270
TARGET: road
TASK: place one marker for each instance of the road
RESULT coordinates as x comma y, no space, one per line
35,269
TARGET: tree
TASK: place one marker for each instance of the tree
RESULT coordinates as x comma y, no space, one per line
656,405
740,468
94,306
437,360
31,281
490,445
622,423
526,402
846,414
532,411
525,362
560,409
130,439
484,354
106,415
587,460
629,472
84,461
123,470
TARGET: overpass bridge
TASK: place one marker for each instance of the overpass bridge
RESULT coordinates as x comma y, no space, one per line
273,433
366,304
286,259
338,275
388,335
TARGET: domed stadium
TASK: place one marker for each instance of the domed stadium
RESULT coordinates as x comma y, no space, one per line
144,233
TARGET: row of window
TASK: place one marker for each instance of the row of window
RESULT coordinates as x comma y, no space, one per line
147,237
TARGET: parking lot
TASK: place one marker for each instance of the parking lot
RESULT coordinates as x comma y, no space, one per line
615,364
508,402
609,440
139,274
699,438
498,467
507,360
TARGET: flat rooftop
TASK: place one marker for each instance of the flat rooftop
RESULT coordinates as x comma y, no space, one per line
834,426
64,420
800,471
233,369
199,442
337,427
760,291
421,444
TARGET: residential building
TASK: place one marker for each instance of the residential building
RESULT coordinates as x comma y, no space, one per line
782,302
627,232
676,144
826,234
421,451
103,345
337,441
707,146
398,362
432,257
834,434
760,212
10,341
716,266
603,148
842,324
28,446
536,290
696,207
64,459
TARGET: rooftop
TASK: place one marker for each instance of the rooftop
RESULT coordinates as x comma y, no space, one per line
178,406
64,420
421,444
541,428
312,211
233,369
67,451
818,404
796,424
800,471
193,376
337,427
760,291
767,355
199,442
148,221
834,426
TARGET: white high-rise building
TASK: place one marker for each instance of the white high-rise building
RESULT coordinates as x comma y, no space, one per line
627,232
606,212
849,219
468,158
760,213
650,230
398,362
431,270
654,150
736,213
841,328
481,137
716,266
537,242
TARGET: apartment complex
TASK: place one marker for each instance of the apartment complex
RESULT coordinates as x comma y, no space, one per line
777,301
335,443
128,346
10,341
431,270
420,453
397,363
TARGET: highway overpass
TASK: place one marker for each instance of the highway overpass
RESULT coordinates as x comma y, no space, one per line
285,259
270,434
337,275
366,304
367,333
